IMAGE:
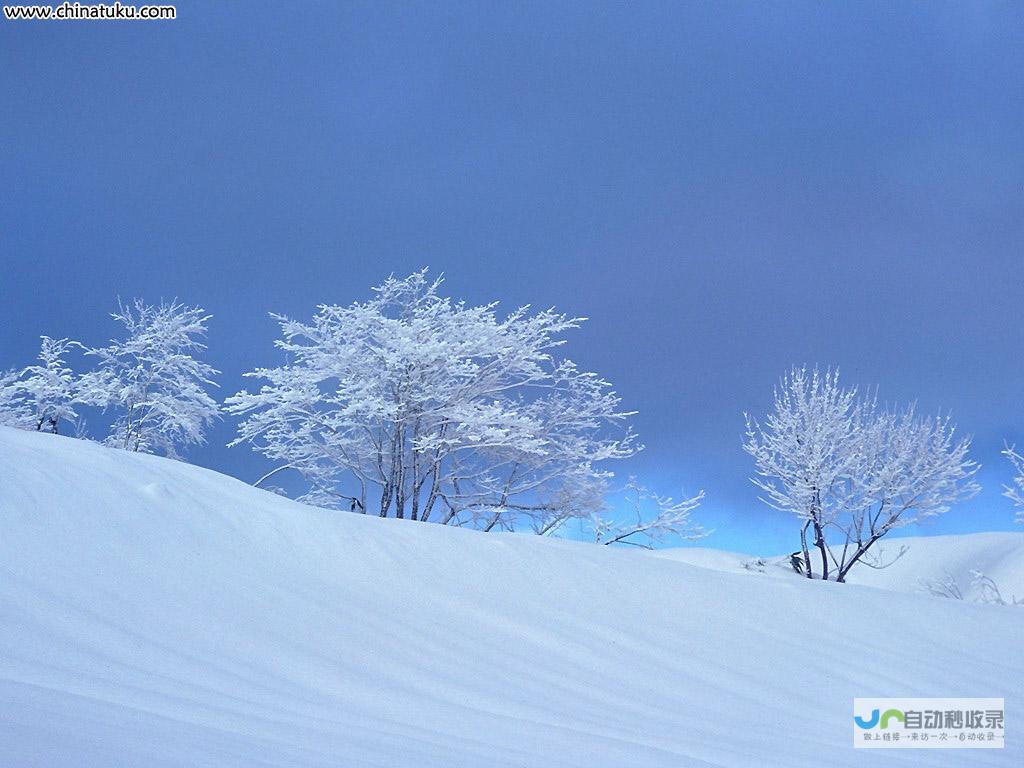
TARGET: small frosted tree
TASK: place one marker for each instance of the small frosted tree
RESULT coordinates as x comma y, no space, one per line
152,380
851,472
804,452
426,408
908,468
49,389
1015,492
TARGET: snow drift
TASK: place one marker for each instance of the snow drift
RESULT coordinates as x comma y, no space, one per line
157,614
928,564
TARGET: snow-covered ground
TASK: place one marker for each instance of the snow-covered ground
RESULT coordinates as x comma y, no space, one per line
929,564
157,614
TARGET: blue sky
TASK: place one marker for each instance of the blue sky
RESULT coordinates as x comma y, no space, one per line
724,189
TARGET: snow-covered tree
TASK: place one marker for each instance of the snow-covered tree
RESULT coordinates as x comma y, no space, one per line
805,451
908,468
429,409
49,389
982,589
851,472
1015,492
14,411
988,592
152,380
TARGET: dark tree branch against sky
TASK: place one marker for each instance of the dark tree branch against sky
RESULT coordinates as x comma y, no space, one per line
724,189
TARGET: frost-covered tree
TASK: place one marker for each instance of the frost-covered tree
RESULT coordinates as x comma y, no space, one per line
851,472
909,468
804,452
426,408
982,589
14,411
1015,492
152,380
49,389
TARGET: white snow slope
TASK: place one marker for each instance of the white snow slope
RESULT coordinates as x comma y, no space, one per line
157,614
926,564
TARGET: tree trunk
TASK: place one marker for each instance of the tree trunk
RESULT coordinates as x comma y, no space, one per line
807,553
861,550
819,541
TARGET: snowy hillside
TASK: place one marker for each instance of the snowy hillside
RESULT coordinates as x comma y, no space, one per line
157,614
931,561
930,564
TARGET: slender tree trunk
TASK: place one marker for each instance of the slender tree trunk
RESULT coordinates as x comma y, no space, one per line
819,541
385,499
435,482
806,551
399,454
861,550
819,535
417,481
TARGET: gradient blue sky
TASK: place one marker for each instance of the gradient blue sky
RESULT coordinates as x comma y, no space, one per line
725,189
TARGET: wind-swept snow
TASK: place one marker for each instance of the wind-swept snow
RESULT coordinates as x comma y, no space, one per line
928,563
931,560
157,614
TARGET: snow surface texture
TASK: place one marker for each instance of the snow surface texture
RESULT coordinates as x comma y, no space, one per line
928,563
157,614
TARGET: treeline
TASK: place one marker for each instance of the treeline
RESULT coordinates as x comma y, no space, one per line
412,405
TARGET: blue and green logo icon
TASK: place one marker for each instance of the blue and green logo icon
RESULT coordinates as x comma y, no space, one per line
884,718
